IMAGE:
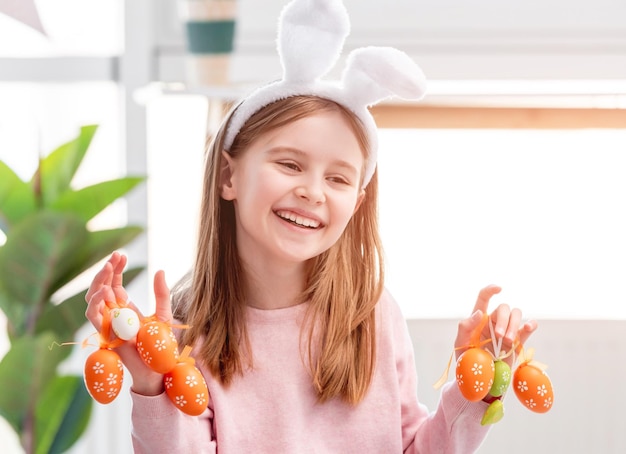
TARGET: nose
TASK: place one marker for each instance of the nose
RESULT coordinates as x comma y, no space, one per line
312,192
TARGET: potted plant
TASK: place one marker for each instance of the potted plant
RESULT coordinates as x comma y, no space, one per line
48,245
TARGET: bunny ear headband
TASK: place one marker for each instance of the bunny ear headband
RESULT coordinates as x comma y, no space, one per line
311,34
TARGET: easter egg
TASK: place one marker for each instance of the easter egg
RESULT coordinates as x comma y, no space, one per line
493,414
474,373
533,388
104,374
125,322
157,346
501,378
186,388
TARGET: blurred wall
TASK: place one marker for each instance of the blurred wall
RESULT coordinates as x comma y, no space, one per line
451,39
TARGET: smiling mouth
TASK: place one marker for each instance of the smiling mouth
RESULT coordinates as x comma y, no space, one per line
300,221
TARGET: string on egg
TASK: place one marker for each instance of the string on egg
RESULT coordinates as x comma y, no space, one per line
158,348
484,375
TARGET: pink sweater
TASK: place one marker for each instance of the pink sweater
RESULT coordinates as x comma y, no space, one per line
273,409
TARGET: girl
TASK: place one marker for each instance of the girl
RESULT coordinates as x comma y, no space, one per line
302,348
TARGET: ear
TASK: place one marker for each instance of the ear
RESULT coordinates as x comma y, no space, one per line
359,200
227,189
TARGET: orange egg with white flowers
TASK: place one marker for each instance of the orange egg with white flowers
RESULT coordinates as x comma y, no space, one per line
533,388
104,374
474,373
157,346
186,388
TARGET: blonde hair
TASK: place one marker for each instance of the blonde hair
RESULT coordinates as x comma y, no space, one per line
343,285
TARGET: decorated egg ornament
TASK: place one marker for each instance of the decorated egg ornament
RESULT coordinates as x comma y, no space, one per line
185,386
493,413
533,387
104,374
501,378
125,322
482,375
157,346
474,373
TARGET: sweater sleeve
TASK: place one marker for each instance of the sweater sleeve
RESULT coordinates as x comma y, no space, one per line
159,427
454,427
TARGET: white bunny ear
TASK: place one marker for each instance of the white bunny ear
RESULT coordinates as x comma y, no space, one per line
311,34
373,74
310,38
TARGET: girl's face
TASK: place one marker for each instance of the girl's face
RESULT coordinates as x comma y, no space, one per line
295,189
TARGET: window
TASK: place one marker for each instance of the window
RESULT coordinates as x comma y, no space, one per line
541,213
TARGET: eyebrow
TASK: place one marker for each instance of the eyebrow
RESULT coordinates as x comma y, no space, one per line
338,162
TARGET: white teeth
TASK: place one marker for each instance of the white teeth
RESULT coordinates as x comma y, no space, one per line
305,222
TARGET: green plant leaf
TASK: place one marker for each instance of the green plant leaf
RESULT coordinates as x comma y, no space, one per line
90,201
58,168
36,253
24,372
16,198
76,421
61,415
98,245
66,318
48,245
14,311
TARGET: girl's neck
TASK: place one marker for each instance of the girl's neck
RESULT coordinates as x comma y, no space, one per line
270,286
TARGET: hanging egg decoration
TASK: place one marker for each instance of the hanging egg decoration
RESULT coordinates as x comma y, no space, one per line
482,375
494,413
533,387
157,346
501,378
475,373
103,375
125,322
185,386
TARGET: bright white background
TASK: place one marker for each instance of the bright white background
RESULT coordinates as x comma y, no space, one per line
74,27
538,213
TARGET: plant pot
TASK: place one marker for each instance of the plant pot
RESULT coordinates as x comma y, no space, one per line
209,28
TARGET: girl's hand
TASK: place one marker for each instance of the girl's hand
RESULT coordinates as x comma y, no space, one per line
506,322
107,286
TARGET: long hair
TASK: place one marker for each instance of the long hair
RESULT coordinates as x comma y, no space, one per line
343,284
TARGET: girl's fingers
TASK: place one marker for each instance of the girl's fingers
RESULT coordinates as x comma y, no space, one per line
118,261
118,270
500,317
515,319
120,294
97,305
482,302
162,295
525,332
102,278
110,275
465,329
94,315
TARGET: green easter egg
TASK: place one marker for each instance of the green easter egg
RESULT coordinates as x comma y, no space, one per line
493,413
501,378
